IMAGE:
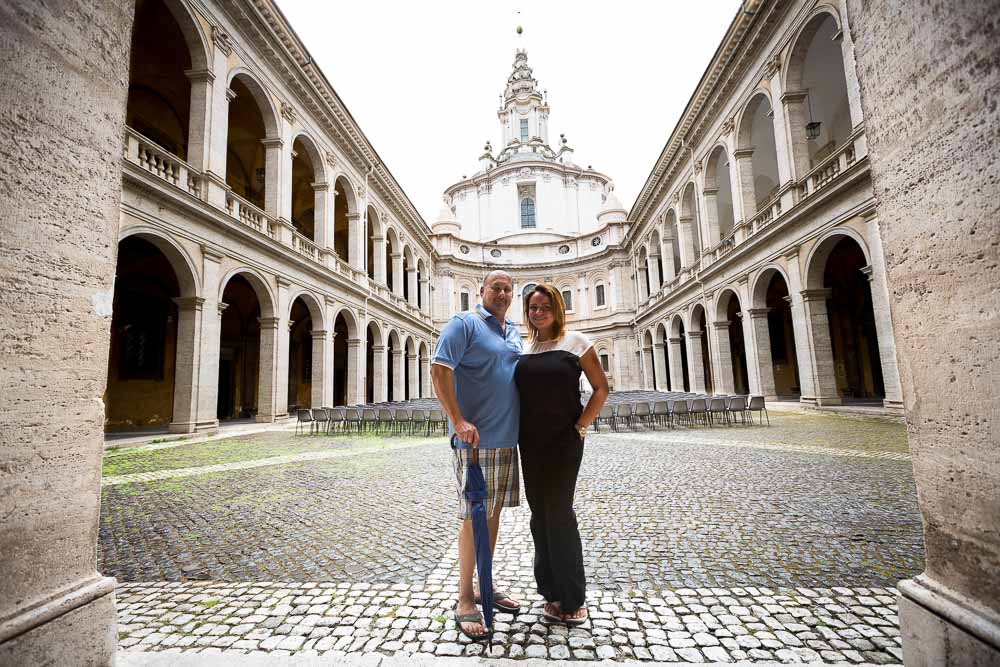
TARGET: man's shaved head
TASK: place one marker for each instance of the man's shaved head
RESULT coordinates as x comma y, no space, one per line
497,274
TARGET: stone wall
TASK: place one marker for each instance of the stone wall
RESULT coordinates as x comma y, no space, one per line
62,107
930,82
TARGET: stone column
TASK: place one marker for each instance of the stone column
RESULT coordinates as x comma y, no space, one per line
411,279
744,171
820,363
642,282
64,75
328,370
425,378
660,363
667,253
319,397
803,343
932,145
414,379
322,217
284,308
749,339
398,376
206,382
712,235
676,365
722,359
883,318
796,116
653,267
644,372
397,273
356,239
199,118
378,256
685,235
267,409
186,364
762,342
273,155
356,358
425,294
696,361
380,386
218,136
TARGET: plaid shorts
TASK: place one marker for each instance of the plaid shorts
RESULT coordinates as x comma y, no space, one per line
503,482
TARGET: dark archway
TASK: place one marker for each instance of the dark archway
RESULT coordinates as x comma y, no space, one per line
239,351
300,357
737,346
781,337
341,335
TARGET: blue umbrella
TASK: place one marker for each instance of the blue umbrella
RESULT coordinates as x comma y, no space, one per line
475,493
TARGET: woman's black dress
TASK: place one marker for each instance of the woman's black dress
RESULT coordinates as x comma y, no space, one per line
548,380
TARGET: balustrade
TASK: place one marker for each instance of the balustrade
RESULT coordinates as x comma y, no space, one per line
829,169
304,246
248,214
162,163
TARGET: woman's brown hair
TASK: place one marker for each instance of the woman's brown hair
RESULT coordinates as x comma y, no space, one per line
558,311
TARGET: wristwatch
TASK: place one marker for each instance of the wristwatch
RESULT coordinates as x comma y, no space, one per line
581,431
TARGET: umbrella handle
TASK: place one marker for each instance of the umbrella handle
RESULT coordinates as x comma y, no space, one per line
474,457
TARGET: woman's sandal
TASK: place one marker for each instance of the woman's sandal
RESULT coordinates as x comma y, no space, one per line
472,617
498,598
571,621
556,617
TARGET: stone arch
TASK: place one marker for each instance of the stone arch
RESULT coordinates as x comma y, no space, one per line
671,231
308,189
351,320
732,364
378,335
411,371
184,267
393,261
690,226
820,253
795,54
720,208
265,105
757,153
758,289
642,261
373,255
375,363
424,365
309,145
395,365
422,291
313,304
260,285
771,319
409,275
701,357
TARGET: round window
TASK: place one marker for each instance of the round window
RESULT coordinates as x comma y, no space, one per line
495,252
564,250
596,241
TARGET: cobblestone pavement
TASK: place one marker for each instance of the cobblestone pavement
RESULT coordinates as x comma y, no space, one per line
740,543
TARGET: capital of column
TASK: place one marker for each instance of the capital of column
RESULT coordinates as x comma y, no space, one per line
353,217
821,294
320,186
757,313
193,303
211,253
378,239
791,253
869,272
282,281
719,326
425,280
695,334
395,255
354,343
291,323
230,94
685,219
793,96
319,334
200,75
743,153
378,349
411,357
268,323
710,191
397,354
675,340
273,142
658,346
222,307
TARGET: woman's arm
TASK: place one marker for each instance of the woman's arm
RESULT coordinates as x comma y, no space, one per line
598,381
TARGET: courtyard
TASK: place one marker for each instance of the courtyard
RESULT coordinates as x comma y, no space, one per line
760,543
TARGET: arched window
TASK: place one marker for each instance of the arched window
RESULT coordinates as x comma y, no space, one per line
527,213
465,299
605,361
599,295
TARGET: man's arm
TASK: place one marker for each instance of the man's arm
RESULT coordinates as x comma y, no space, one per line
444,387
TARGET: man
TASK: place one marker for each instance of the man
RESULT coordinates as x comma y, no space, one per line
473,374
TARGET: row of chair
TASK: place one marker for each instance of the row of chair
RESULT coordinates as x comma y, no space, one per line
669,409
384,418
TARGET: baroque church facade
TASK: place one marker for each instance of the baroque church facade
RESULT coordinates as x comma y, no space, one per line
268,260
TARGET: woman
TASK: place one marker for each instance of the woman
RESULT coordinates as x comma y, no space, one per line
553,427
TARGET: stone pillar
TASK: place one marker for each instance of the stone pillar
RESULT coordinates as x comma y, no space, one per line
425,294
218,137
685,235
937,208
722,359
380,382
883,319
660,363
803,343
62,107
762,342
398,376
322,217
749,339
644,367
397,273
328,388
267,407
186,364
319,397
414,379
273,155
356,239
206,382
378,256
744,171
653,267
284,307
411,280
667,253
796,116
642,282
696,361
425,378
356,358
199,119
676,365
712,233
820,363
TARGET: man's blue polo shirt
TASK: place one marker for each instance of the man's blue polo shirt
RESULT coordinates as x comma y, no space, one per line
482,359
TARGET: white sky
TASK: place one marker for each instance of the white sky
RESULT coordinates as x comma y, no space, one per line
423,79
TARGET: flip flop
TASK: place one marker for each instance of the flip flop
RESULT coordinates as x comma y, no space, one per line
473,617
576,621
550,617
498,598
